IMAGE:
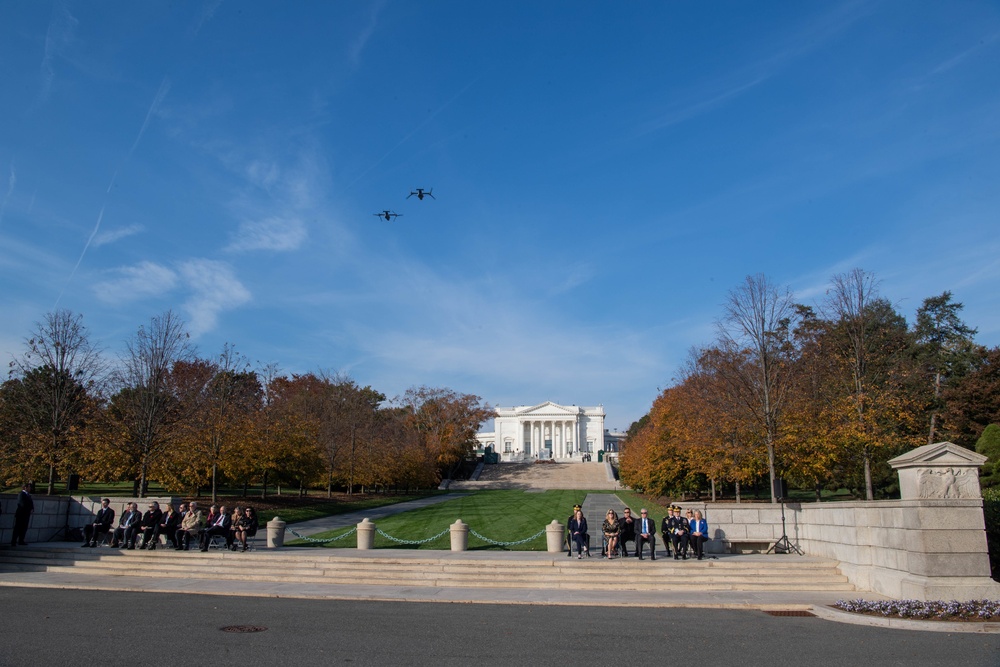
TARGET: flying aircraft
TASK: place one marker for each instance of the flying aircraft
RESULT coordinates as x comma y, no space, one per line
388,215
419,192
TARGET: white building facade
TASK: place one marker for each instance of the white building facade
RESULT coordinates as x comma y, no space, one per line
545,431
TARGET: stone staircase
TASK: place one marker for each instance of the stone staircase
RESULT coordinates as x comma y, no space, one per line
386,567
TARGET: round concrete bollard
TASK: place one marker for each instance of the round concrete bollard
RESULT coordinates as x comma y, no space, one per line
459,536
366,534
554,536
275,533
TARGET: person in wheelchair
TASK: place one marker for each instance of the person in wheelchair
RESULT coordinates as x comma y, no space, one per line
612,529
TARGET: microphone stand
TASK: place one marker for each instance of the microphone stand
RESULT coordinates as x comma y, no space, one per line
783,546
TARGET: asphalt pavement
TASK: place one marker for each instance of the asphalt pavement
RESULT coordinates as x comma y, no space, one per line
60,627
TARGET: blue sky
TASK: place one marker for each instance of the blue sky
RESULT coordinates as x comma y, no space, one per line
605,173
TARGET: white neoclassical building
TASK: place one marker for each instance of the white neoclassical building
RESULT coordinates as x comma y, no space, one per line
545,431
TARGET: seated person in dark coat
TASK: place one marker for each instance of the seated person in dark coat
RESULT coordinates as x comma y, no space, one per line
149,522
219,525
128,527
627,535
645,533
104,522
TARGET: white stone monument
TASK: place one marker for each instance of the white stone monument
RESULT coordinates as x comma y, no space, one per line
942,470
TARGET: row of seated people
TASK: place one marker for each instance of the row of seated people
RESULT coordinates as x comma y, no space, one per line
177,526
684,533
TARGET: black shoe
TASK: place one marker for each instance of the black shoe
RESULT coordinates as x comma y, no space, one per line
640,557
685,556
204,549
677,557
652,558
23,544
130,547
699,558
86,544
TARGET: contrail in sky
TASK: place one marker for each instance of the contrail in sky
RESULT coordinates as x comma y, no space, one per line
97,227
161,93
419,127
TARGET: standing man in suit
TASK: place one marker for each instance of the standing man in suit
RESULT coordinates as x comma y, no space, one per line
104,522
645,532
22,515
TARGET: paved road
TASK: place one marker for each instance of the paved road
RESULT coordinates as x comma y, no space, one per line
57,627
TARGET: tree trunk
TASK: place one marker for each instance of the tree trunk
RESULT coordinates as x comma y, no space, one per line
713,489
263,491
937,396
868,478
215,490
52,481
737,492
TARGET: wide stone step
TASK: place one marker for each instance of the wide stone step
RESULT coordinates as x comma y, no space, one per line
475,571
396,579
212,563
417,574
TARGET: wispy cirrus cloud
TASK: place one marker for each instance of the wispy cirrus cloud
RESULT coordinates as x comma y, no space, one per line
358,45
277,234
112,235
143,280
212,287
215,288
11,182
58,37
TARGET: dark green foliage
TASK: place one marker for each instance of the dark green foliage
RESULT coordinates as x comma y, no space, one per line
989,445
991,513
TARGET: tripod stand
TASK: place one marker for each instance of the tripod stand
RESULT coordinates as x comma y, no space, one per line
783,546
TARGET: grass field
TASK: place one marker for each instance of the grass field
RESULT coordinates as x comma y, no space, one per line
501,516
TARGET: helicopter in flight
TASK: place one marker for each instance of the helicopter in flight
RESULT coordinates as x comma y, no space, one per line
420,193
388,215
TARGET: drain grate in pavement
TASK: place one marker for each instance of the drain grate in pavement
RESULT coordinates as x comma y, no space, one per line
243,628
789,612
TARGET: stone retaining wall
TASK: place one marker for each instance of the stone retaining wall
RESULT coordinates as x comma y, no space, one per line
52,514
930,549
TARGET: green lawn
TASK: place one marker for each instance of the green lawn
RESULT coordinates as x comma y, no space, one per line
501,516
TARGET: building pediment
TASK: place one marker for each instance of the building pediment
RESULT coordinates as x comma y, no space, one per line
939,454
548,409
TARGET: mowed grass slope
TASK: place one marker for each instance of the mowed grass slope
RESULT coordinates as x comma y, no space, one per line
499,515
